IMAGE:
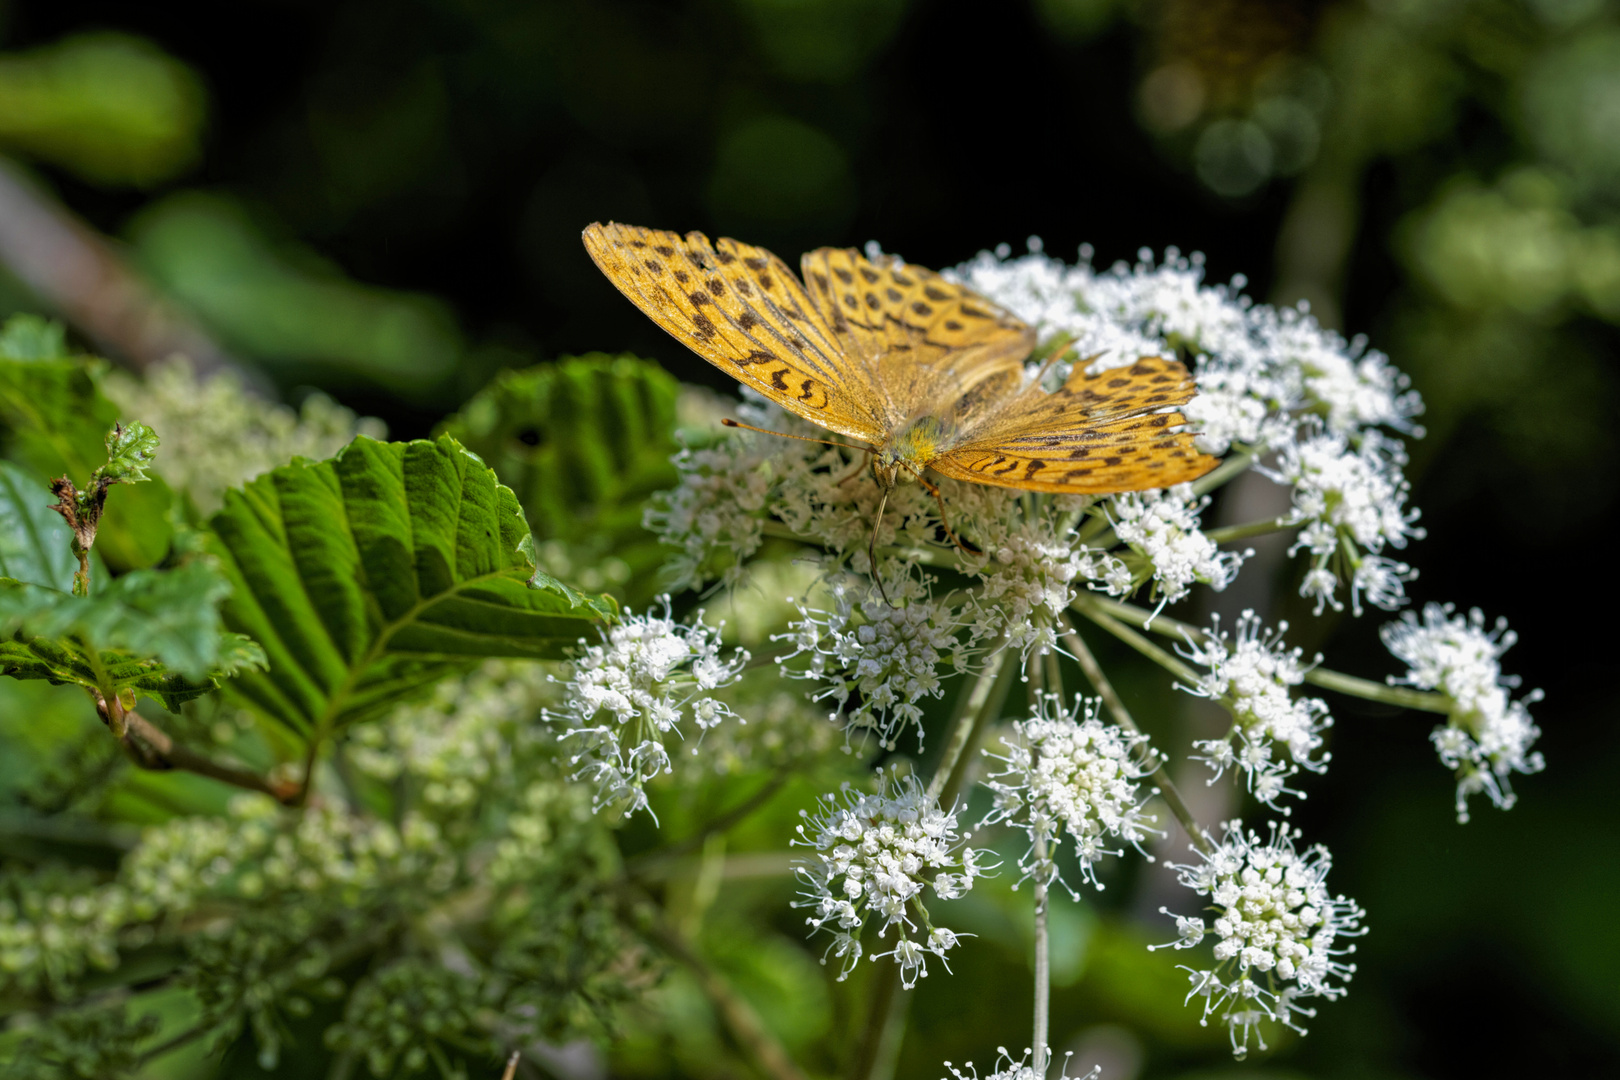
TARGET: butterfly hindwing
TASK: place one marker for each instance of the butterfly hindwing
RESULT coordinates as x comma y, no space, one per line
741,308
1113,430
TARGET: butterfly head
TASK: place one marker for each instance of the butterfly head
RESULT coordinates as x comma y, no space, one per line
905,456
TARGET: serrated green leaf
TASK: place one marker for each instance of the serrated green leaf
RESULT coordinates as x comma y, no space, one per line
55,422
130,449
583,442
170,616
35,543
380,571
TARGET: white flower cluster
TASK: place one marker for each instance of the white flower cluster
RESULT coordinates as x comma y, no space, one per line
1256,365
1351,500
1488,735
1269,381
1273,733
886,652
1010,1068
1162,528
1278,930
875,855
215,437
1030,564
1066,773
624,696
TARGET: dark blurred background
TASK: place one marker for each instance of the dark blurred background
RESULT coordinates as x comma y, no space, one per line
383,200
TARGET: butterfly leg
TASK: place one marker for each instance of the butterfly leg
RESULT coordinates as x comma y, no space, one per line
871,548
939,497
859,468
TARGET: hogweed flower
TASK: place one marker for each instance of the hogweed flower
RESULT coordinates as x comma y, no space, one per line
1278,931
875,855
624,696
1273,733
1351,501
1487,736
1068,774
1161,527
889,654
1011,1068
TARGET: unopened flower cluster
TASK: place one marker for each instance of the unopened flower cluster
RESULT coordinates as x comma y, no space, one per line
1278,931
625,696
1488,735
1274,734
1066,774
875,856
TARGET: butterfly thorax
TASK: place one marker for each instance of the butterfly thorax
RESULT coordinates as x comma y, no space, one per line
905,456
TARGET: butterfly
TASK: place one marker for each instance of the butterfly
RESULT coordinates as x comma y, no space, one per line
928,373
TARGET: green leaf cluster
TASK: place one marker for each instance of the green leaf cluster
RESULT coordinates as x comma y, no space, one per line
582,442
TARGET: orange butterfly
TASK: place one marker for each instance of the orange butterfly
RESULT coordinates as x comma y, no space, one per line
929,374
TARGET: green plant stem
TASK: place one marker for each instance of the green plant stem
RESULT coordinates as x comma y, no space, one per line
1226,470
1043,962
1122,716
1229,533
1352,685
977,709
738,1016
1088,606
151,748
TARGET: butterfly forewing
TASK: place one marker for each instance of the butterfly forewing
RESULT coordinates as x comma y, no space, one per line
935,347
741,308
1115,430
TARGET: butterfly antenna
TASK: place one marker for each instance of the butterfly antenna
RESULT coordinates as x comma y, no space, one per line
871,549
729,422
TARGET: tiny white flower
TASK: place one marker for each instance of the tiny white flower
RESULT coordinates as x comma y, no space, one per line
875,855
1162,528
1273,733
1488,735
1066,774
624,696
1278,931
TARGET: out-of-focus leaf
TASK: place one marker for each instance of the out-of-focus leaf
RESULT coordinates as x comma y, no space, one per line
35,543
374,574
288,309
154,631
54,421
583,443
30,337
114,109
168,615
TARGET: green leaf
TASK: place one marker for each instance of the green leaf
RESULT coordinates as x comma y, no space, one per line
379,572
155,631
130,449
35,543
55,422
30,337
583,442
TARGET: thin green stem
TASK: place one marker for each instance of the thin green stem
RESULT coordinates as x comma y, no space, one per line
1087,606
1226,470
1228,533
1352,685
1122,716
719,826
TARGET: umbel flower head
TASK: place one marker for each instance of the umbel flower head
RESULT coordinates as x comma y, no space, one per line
1487,737
1011,1068
1068,774
1278,931
1273,734
875,855
625,695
